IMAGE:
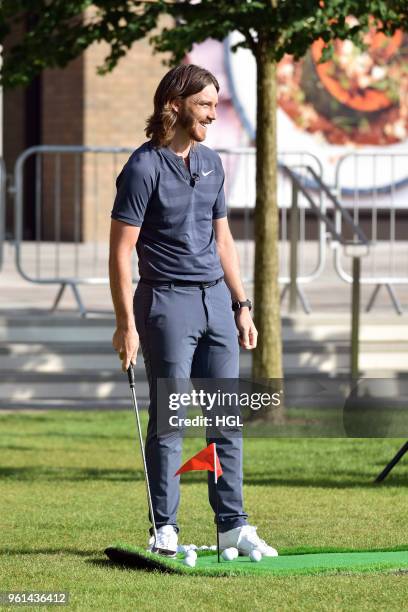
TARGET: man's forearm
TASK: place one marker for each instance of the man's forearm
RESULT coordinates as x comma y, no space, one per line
230,264
120,277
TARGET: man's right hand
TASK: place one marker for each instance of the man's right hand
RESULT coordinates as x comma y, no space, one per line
125,341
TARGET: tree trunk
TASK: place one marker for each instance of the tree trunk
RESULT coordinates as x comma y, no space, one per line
267,358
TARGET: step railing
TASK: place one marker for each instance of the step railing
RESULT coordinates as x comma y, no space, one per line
306,183
356,248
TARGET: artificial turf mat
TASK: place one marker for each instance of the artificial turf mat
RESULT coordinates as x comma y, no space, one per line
299,561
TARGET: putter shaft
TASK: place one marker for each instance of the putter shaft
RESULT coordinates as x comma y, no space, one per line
131,377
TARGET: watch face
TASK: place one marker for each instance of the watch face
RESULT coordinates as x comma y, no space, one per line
237,305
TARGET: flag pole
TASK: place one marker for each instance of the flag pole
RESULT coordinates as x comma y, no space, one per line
216,501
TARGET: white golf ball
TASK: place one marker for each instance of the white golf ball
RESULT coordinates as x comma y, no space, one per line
190,561
229,554
191,554
181,548
255,555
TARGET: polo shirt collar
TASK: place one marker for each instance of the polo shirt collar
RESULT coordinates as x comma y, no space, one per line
172,155
167,152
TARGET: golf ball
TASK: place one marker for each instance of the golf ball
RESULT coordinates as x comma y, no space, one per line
255,555
181,548
190,561
191,554
229,554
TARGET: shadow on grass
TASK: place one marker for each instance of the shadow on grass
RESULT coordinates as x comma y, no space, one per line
95,560
68,435
103,563
69,474
107,564
348,482
48,551
342,480
15,447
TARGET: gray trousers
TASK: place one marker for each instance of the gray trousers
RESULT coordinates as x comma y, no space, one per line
188,332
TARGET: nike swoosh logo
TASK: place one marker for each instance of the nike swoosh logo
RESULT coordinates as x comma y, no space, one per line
206,173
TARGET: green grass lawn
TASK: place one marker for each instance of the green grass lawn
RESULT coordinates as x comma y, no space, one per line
72,483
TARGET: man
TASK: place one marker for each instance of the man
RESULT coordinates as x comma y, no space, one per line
170,204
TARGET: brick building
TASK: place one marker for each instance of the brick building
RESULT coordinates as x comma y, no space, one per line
76,106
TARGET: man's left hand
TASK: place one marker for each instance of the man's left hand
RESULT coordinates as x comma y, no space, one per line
247,331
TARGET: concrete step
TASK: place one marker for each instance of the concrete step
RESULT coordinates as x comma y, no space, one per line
38,330
89,389
59,328
65,361
47,403
96,385
81,390
96,356
326,391
58,356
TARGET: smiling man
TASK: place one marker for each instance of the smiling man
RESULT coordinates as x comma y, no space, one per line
189,310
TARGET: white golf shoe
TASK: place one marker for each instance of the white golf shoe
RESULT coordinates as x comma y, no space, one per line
245,539
166,543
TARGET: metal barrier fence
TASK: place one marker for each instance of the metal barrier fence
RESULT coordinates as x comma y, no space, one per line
374,186
2,208
240,184
68,191
69,245
74,189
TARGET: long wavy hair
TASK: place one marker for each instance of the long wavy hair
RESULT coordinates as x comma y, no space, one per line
180,82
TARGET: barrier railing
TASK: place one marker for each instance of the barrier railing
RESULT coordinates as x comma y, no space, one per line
240,188
374,187
305,185
70,192
69,243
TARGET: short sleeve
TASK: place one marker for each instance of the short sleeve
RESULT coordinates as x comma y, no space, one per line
135,186
220,208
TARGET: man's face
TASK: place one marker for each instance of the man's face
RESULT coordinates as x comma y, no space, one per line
197,111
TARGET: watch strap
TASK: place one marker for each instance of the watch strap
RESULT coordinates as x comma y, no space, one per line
237,305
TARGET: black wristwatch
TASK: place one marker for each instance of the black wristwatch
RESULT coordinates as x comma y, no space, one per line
238,305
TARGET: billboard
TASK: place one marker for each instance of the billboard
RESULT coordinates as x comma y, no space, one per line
355,103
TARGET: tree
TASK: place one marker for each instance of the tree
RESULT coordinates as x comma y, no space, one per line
62,29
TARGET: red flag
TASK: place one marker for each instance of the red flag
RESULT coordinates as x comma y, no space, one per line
206,459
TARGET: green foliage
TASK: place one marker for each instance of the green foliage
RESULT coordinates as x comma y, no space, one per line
57,31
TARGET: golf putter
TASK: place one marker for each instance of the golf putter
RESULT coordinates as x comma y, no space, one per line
160,551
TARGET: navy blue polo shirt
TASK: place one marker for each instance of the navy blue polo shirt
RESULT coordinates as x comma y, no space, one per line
174,208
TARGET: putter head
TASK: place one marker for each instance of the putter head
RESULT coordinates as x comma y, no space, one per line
164,552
